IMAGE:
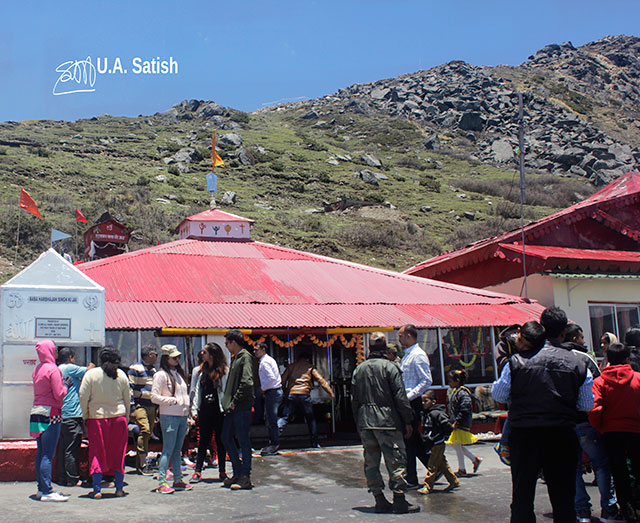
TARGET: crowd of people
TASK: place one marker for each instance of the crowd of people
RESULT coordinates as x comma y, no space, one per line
561,403
107,402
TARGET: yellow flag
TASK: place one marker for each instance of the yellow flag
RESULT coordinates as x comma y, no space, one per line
216,161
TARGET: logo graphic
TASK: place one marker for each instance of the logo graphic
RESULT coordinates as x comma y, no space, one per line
90,303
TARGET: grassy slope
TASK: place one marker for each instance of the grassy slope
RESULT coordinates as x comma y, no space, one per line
111,163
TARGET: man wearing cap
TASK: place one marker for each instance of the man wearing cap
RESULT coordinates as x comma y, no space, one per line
382,411
416,374
237,402
144,411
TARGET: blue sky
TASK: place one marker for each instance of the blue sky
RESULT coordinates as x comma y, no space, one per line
245,54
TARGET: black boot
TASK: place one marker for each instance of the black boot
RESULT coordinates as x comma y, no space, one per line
402,506
382,505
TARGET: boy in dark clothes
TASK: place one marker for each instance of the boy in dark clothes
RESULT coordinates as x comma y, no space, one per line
436,428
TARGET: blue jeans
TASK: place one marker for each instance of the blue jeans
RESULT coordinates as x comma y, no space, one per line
593,445
238,423
272,399
174,429
299,402
47,443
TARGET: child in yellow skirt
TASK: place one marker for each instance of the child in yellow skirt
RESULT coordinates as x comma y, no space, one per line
460,411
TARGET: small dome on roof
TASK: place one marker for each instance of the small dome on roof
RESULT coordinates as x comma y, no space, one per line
215,225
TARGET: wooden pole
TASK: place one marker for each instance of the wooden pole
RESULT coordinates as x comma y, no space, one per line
15,259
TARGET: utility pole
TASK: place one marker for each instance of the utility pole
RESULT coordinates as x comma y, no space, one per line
522,190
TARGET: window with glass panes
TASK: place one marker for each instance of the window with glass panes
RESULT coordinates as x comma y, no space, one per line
611,317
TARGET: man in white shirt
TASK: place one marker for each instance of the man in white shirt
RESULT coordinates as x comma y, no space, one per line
271,386
416,374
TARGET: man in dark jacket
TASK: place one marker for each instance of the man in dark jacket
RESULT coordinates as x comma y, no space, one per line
237,402
381,410
546,388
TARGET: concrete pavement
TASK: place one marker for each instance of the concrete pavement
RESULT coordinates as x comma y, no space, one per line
322,484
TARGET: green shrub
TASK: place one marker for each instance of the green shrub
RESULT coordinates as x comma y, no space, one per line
142,180
277,166
297,186
324,177
173,169
239,116
175,182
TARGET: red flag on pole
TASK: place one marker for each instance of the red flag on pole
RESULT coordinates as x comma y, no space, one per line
215,157
27,203
80,217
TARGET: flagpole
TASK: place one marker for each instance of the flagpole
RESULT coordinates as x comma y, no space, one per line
15,260
75,238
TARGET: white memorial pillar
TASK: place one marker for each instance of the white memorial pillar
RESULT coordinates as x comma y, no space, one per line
50,299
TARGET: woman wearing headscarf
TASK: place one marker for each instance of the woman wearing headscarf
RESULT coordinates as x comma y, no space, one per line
607,339
46,415
207,408
105,400
169,391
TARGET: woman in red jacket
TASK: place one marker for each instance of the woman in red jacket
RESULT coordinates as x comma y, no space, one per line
616,415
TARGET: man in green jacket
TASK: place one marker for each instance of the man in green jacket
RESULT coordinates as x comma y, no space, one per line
382,410
237,402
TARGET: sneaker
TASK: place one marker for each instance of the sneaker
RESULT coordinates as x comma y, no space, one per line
476,464
121,493
243,483
227,482
413,486
189,463
461,473
39,495
55,497
583,516
196,478
181,485
424,490
452,486
164,488
95,495
144,471
611,515
270,450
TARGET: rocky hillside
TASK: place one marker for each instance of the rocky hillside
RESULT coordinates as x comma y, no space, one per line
581,107
387,173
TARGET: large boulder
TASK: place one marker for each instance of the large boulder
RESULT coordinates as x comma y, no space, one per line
187,155
210,110
371,160
502,151
229,198
234,139
245,157
472,121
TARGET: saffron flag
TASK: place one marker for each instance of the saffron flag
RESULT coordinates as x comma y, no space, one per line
27,203
58,235
80,217
216,161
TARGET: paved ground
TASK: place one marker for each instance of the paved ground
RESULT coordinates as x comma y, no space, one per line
326,484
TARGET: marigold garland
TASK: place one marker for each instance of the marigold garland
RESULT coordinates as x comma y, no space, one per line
465,341
357,341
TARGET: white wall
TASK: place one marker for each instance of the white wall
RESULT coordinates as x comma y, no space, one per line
573,295
539,287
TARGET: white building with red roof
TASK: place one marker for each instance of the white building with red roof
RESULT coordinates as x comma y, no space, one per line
584,259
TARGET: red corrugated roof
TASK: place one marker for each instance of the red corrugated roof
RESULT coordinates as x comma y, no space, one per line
620,192
546,258
207,284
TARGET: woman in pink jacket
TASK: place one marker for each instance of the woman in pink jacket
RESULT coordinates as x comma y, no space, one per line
46,415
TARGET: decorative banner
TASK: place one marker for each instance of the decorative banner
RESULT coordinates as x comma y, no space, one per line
212,182
356,341
80,217
57,235
216,161
27,203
